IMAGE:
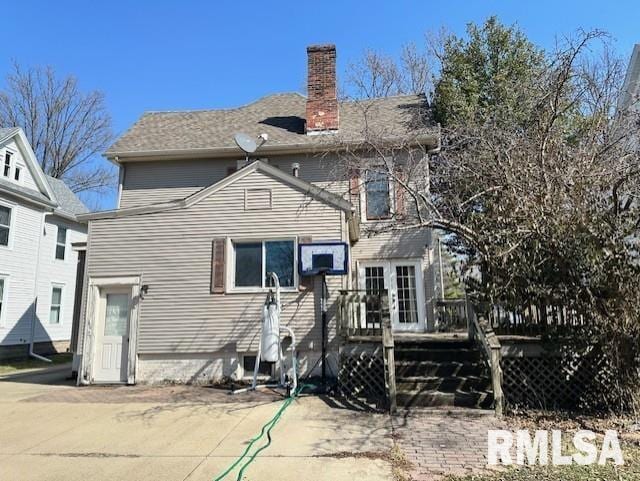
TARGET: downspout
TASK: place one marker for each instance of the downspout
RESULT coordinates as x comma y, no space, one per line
35,295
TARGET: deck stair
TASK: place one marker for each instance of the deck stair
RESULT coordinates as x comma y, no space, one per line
436,373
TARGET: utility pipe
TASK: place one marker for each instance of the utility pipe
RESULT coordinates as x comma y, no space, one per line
35,295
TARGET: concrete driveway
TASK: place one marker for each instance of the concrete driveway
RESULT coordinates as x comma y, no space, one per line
52,430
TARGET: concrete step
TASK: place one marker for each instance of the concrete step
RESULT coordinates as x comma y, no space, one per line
438,369
480,400
444,384
419,354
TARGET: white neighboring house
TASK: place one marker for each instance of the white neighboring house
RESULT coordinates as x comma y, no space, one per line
41,244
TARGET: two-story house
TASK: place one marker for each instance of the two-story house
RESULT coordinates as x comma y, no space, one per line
176,275
38,260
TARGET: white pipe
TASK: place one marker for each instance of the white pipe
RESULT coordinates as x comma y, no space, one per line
35,295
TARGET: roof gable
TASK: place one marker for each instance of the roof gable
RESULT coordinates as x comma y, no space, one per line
257,166
45,192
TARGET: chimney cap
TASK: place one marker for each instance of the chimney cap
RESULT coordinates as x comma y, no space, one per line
321,47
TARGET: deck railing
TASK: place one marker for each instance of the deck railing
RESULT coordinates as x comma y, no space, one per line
361,313
451,315
533,320
481,333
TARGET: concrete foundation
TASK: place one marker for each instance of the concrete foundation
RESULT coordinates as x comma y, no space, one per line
21,351
205,368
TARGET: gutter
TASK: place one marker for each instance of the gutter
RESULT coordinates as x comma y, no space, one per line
35,294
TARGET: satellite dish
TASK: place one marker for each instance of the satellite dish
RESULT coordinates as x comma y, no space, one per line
245,142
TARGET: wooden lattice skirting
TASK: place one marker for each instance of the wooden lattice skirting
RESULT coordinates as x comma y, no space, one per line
563,380
361,376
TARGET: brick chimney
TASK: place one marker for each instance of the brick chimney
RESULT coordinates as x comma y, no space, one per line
322,102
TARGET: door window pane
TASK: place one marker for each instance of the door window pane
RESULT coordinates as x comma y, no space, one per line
374,285
407,304
116,315
56,303
279,258
248,264
377,188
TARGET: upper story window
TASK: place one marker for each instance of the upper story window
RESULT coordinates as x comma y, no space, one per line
254,260
6,170
5,225
378,201
61,243
17,173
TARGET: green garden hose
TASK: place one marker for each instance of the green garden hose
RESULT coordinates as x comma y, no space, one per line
266,429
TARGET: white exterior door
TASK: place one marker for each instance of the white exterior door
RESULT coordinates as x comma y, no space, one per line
404,281
112,335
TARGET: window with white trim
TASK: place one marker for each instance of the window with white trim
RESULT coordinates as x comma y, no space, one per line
253,260
5,224
378,196
6,170
56,305
17,173
3,298
61,242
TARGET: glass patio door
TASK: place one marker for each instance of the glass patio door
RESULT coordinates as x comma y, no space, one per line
404,282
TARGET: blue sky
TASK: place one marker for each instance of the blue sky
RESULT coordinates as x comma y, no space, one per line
159,55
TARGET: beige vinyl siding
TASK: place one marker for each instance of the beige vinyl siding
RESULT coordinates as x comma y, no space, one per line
172,252
158,181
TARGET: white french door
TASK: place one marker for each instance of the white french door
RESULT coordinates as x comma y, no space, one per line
404,283
112,335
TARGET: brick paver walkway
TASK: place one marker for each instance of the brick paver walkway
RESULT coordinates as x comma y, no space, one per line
439,442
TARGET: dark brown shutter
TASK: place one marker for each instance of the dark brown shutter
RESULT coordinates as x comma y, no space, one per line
217,265
305,283
400,192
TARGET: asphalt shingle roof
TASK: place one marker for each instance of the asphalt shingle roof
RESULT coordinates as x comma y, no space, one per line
67,200
281,116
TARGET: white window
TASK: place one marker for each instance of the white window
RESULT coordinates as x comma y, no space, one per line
5,224
378,196
6,170
56,305
253,260
3,298
61,242
17,173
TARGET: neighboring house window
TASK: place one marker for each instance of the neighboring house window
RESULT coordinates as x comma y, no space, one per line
5,225
7,164
61,242
56,305
377,196
17,173
3,303
254,260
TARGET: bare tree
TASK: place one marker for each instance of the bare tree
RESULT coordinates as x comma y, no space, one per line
65,126
544,200
378,75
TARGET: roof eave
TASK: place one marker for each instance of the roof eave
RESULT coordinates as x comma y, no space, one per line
431,139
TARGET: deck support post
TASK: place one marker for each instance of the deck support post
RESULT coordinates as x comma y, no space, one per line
388,352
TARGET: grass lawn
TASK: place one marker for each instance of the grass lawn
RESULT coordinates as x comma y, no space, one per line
630,471
11,367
